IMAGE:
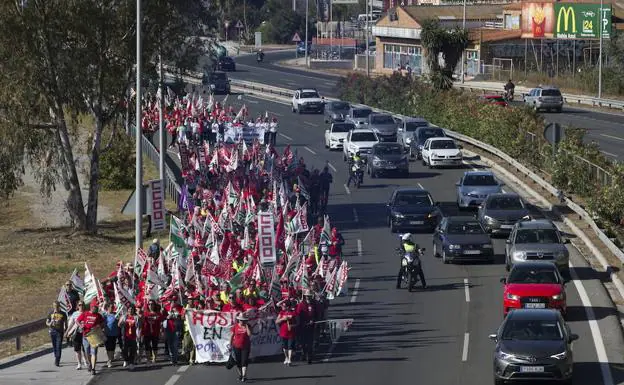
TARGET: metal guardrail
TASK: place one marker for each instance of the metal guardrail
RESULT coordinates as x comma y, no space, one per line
16,332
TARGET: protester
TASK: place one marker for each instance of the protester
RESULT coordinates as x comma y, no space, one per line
129,324
74,335
287,324
307,318
91,321
151,330
241,345
57,324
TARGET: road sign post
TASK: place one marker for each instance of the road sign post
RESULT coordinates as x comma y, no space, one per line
553,133
296,39
239,27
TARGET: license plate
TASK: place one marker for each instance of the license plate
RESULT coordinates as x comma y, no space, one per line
417,222
390,167
534,305
532,369
506,226
472,251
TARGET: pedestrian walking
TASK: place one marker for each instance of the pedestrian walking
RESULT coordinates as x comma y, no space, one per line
92,324
129,324
57,324
112,332
287,323
74,334
241,345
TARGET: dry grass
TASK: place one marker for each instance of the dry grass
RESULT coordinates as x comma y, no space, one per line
35,262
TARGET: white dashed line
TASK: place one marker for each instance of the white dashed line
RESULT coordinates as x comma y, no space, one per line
601,353
467,289
274,113
311,151
612,137
347,189
356,288
332,167
465,349
609,153
252,101
359,249
183,368
311,124
355,216
421,186
173,379
285,136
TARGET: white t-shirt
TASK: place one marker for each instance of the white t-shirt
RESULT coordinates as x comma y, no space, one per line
273,127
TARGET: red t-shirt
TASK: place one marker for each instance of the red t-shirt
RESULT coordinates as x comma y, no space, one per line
152,323
240,339
306,312
89,321
284,331
130,326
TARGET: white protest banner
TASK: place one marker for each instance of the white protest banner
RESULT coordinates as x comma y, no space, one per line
337,327
266,238
211,332
157,192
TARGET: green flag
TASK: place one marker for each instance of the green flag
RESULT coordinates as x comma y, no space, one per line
175,234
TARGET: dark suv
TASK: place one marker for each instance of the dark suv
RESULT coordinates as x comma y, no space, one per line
217,81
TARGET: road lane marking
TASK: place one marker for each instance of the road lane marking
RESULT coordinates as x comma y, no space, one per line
356,288
285,136
421,186
274,113
355,216
465,349
347,189
467,289
601,352
359,249
608,153
329,84
310,150
332,167
252,101
173,379
225,99
183,368
612,137
311,124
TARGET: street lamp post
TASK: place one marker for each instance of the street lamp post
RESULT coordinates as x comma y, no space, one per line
161,123
138,209
306,34
367,45
602,13
463,71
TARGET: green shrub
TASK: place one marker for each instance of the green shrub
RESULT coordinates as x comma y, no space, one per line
117,165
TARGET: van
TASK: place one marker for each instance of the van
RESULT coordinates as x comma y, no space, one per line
371,18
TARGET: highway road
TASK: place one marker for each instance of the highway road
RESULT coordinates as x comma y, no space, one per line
605,128
432,337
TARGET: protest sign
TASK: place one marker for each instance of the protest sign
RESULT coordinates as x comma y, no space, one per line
266,238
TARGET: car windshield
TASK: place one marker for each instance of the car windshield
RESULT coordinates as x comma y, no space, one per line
310,95
532,330
227,60
388,150
425,134
480,180
464,228
410,199
505,203
339,106
342,127
217,76
363,137
382,119
544,236
363,113
551,92
413,126
443,145
523,275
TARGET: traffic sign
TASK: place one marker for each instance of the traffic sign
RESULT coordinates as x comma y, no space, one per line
239,24
296,38
553,133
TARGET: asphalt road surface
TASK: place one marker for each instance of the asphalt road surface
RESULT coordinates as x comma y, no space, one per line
605,128
432,337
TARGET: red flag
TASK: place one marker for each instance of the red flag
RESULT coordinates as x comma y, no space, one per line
280,233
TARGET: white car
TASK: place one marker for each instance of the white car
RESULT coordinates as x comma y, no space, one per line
307,100
337,134
438,152
361,140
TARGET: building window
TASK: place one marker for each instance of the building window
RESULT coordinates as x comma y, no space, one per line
403,55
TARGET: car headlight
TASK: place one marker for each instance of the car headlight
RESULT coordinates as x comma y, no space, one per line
560,255
489,218
431,215
470,194
398,215
519,255
560,356
506,356
212,86
526,218
434,155
513,297
333,139
487,246
454,247
408,140
558,297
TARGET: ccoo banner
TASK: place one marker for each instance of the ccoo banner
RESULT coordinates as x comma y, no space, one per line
266,238
157,194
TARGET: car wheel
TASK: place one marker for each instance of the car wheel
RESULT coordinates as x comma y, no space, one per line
293,109
498,381
435,251
429,163
327,145
423,161
299,110
507,265
393,228
444,258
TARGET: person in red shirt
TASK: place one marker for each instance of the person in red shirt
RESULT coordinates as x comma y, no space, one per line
232,305
287,322
129,325
306,312
151,329
241,345
89,321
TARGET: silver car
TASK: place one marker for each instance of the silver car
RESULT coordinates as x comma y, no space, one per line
359,116
407,129
537,240
475,186
500,212
544,98
384,126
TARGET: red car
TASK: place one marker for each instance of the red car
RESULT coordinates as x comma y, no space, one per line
534,285
494,99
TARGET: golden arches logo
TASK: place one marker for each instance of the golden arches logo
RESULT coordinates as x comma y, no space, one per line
566,13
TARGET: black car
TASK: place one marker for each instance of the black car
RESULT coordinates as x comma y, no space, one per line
226,63
386,158
422,134
412,208
218,82
336,111
500,212
462,239
533,344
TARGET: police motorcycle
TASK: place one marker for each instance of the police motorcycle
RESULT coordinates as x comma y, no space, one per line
411,265
357,170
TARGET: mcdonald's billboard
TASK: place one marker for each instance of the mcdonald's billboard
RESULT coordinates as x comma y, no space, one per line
565,20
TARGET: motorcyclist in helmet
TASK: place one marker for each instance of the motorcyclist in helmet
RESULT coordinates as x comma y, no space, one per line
409,247
354,164
260,55
509,89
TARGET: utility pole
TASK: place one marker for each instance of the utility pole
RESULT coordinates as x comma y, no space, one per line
463,71
367,45
306,34
161,123
138,209
602,15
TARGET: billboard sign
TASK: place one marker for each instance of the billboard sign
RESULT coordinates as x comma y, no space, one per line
565,20
582,21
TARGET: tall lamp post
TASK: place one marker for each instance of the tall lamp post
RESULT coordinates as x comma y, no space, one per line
161,123
367,45
138,209
463,71
602,13
306,34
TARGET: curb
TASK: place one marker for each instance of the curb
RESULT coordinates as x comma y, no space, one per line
27,356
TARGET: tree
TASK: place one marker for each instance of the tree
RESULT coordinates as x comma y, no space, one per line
450,44
64,58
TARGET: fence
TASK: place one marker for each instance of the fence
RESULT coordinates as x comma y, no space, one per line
360,62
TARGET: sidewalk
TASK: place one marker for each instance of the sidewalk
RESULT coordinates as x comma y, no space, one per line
41,371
